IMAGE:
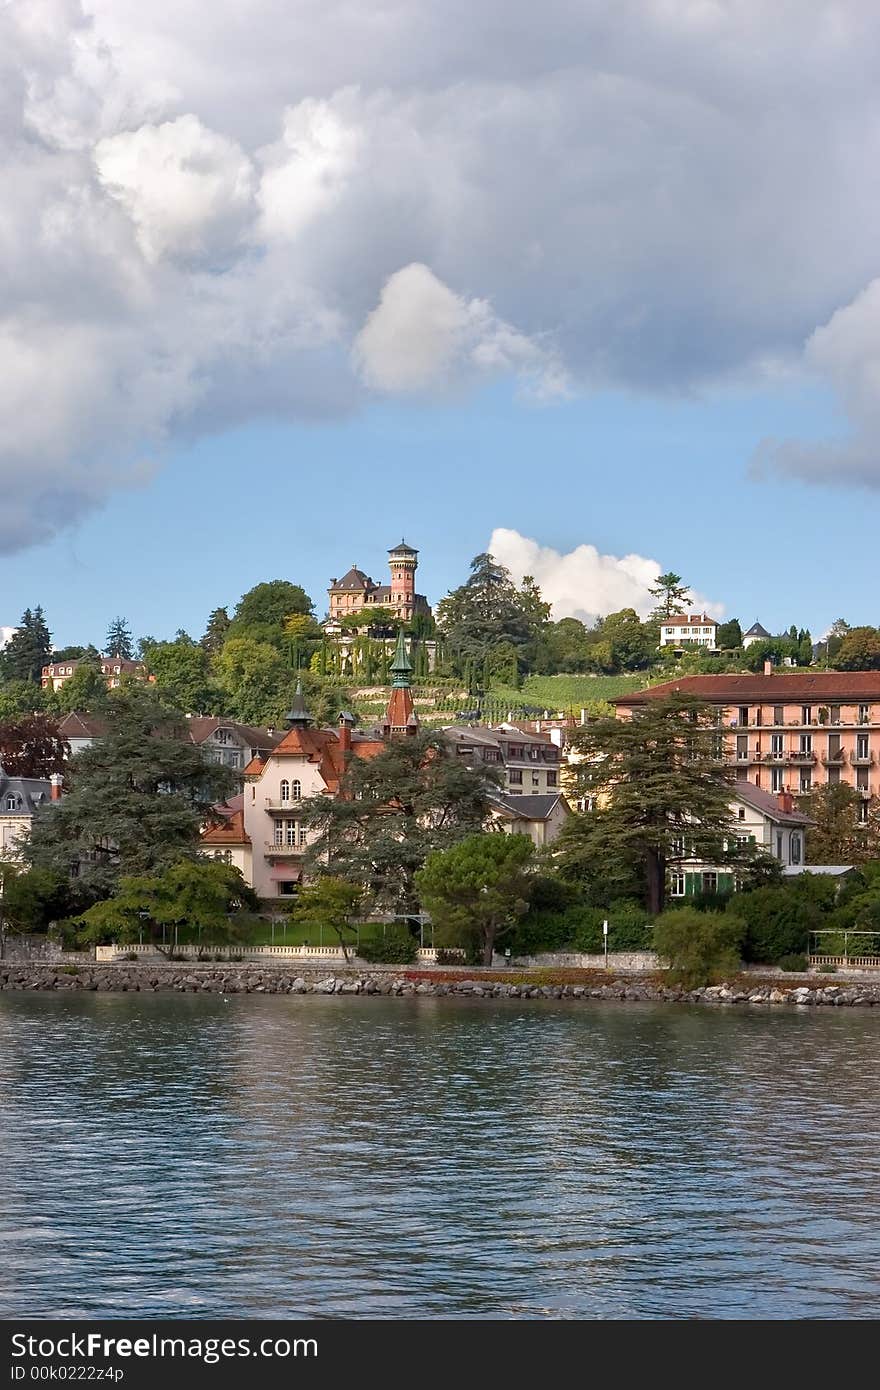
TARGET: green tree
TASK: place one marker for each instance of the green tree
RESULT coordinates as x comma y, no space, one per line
261,612
85,690
859,650
139,795
779,919
328,903
119,641
32,747
664,787
205,897
486,612
477,891
671,594
29,650
730,634
21,697
700,947
216,632
255,680
838,835
182,672
415,796
633,643
33,899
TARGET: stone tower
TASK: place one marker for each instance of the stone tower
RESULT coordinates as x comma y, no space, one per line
404,562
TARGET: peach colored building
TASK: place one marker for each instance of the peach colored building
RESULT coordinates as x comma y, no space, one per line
790,732
113,668
356,591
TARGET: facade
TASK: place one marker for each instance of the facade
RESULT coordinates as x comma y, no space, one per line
113,668
530,762
19,799
790,732
227,840
771,823
356,591
688,630
539,817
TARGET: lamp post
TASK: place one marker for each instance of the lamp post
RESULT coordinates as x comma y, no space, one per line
605,940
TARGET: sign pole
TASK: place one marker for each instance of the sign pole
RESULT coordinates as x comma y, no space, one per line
605,940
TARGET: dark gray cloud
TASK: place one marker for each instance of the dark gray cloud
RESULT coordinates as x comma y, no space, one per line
215,212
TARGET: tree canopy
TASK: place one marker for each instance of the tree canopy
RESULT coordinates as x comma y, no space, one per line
477,891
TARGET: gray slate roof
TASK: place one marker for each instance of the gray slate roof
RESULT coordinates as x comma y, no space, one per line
528,807
28,793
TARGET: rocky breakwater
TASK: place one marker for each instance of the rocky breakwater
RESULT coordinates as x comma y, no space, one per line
249,979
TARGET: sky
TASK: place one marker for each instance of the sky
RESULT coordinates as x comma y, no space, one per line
596,287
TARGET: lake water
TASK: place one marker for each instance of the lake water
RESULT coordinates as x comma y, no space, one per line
183,1156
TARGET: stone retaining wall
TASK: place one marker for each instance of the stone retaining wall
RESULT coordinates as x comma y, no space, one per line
392,981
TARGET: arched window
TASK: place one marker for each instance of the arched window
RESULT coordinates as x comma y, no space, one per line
11,803
285,790
297,789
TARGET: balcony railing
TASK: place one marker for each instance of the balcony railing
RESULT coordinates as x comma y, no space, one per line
834,757
861,759
799,755
274,803
273,848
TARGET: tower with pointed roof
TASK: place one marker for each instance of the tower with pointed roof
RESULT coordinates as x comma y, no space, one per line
400,716
298,717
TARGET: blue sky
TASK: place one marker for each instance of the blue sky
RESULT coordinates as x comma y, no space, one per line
665,479
656,219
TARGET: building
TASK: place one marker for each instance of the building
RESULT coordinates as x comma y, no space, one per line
113,668
20,797
227,840
770,823
756,633
681,630
539,817
790,731
356,591
529,762
222,740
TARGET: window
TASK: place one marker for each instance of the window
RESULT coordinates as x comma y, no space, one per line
833,776
290,829
864,714
863,813
861,779
778,714
743,714
676,847
301,836
777,782
551,779
515,776
779,844
806,714
742,747
279,833
806,743
742,812
285,790
835,714
221,735
862,746
806,780
776,744
795,848
296,789
287,888
11,803
710,882
676,885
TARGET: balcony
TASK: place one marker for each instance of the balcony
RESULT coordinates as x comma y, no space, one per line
865,792
834,759
800,757
285,851
273,803
861,759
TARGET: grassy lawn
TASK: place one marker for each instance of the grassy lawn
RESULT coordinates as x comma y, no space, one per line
556,693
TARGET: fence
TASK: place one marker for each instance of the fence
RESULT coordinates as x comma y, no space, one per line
425,956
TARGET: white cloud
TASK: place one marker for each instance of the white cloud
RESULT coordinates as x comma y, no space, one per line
584,583
188,190
423,336
214,213
6,635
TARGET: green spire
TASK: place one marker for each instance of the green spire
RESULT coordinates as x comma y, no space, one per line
401,666
298,713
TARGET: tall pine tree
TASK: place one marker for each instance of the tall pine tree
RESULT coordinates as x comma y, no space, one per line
29,650
119,641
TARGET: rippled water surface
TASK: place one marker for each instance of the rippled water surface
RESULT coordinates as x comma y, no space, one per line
281,1157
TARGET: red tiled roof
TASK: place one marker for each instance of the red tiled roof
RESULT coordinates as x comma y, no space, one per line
321,746
790,687
685,620
231,832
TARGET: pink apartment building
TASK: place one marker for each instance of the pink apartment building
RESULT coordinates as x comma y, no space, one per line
790,732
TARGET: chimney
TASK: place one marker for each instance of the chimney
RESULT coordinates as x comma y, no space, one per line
768,667
56,782
786,802
345,733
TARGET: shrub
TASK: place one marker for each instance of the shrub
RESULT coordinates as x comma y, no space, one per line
449,955
398,948
792,962
700,947
778,920
827,969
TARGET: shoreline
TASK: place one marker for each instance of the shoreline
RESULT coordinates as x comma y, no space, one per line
402,982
